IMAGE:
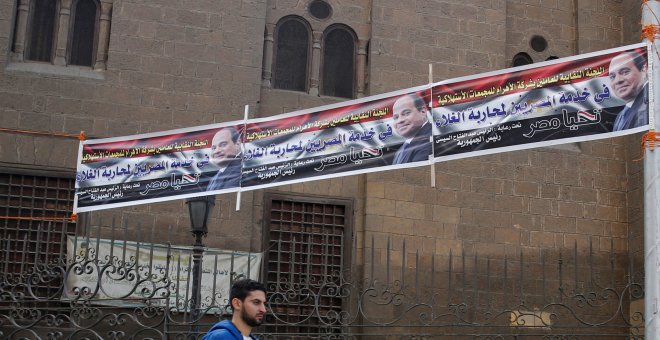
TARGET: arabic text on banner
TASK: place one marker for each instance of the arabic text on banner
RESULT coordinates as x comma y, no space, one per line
584,98
592,96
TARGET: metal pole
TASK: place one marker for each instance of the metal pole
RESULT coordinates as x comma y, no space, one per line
650,10
195,303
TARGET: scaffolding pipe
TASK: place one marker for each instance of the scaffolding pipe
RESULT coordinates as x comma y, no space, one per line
652,188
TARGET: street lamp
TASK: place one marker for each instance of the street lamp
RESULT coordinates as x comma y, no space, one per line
199,209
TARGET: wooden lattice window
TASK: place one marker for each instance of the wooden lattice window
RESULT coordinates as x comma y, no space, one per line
308,242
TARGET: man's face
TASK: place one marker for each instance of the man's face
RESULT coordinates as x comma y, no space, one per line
626,80
253,308
223,148
407,118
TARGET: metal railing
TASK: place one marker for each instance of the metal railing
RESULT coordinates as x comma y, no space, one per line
111,288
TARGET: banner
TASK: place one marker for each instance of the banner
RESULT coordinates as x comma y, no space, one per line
390,131
124,274
597,95
156,167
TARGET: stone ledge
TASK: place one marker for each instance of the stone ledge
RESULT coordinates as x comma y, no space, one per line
49,69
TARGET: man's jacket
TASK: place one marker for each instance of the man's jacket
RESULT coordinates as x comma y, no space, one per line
637,115
419,149
225,330
230,178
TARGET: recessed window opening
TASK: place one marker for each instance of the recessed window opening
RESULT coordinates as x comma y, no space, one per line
320,9
538,43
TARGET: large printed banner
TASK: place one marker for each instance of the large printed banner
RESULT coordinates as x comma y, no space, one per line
592,96
587,97
339,140
156,167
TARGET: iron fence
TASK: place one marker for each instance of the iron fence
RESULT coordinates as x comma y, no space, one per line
112,288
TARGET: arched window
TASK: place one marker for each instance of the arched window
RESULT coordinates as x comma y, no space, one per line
84,31
338,63
41,36
521,59
291,54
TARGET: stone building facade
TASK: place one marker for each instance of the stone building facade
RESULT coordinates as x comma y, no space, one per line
160,65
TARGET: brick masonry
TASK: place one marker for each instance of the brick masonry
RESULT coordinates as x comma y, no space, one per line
172,66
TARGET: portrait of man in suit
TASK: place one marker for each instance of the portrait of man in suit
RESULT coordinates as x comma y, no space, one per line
226,155
628,80
411,122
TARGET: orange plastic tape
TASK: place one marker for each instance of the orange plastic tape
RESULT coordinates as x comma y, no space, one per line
650,31
73,218
649,140
80,136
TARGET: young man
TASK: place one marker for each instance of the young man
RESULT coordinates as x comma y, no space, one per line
248,302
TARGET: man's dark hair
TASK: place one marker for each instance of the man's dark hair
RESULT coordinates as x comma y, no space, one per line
234,134
638,59
418,102
241,288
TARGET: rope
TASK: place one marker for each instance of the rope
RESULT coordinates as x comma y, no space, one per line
80,136
72,218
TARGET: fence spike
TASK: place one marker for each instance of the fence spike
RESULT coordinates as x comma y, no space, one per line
372,261
463,281
591,264
475,291
417,275
488,289
560,266
215,277
612,262
404,264
522,289
575,258
451,268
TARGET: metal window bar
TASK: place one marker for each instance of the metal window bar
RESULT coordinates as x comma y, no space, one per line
41,240
306,250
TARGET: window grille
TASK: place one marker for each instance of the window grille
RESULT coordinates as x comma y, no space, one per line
86,14
42,30
291,55
38,241
308,242
338,63
521,59
61,33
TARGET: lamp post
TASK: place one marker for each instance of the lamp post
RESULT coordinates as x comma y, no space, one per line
199,210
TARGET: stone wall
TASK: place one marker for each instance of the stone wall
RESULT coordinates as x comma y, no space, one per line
169,66
172,66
